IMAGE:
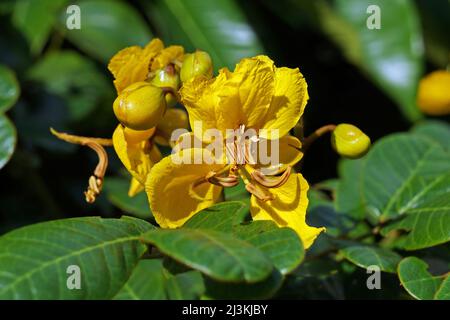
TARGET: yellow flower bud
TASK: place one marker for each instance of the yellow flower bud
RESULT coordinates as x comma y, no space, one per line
349,141
135,136
433,96
167,77
195,64
140,106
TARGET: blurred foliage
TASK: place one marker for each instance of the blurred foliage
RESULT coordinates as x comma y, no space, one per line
390,208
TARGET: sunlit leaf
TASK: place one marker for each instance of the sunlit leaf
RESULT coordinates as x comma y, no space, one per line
106,28
418,281
7,140
365,256
218,27
216,254
34,260
392,55
9,89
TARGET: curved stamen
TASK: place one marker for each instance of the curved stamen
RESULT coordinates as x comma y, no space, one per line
271,182
258,193
96,180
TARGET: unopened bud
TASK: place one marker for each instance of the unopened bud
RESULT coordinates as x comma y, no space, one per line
349,141
196,64
140,106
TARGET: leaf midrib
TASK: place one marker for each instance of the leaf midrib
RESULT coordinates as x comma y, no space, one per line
61,258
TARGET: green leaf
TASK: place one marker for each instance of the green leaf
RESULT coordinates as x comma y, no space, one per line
151,281
147,282
364,256
237,193
218,27
216,254
34,259
281,245
74,78
35,19
392,56
116,189
220,217
250,291
349,197
419,283
428,224
443,292
185,286
401,173
106,28
9,89
437,131
8,138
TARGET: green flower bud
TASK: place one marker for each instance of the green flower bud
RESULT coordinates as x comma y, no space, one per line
349,141
167,77
140,106
196,64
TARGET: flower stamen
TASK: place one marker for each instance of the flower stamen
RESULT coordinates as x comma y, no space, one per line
271,182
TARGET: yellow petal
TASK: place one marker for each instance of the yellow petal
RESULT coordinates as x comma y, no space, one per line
288,102
173,119
172,196
289,153
288,209
137,157
257,95
166,56
200,97
135,187
246,95
131,64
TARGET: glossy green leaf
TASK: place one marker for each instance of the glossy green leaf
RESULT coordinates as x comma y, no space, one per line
401,173
417,281
237,193
74,78
8,140
185,286
220,217
34,260
147,282
349,197
35,19
365,256
9,89
106,28
437,131
116,190
428,224
218,27
393,54
443,292
151,281
250,291
281,245
216,254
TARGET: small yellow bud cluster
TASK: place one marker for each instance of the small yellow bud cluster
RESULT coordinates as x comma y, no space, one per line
141,106
349,141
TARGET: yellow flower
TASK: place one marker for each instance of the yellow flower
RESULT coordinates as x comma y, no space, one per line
137,149
133,64
433,96
258,96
